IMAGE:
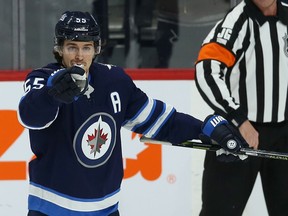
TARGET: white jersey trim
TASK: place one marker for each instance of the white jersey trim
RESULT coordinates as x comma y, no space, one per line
36,128
167,111
142,116
83,205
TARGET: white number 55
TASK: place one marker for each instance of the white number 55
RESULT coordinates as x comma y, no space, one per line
36,84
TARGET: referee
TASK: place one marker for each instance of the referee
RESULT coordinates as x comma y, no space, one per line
242,74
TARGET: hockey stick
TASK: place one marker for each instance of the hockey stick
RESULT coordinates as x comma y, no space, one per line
197,144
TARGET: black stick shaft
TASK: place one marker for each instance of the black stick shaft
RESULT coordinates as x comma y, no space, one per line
213,147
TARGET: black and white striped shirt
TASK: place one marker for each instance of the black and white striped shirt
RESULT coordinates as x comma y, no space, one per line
242,67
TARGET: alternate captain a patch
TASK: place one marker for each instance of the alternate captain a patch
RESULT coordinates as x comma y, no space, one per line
95,140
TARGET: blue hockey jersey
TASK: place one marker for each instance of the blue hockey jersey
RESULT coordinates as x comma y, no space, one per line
78,166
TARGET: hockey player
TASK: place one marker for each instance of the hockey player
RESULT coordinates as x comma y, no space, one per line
74,110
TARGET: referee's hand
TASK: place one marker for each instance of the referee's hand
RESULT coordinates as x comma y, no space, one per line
249,133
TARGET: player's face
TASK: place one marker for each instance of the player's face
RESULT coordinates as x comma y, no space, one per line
78,53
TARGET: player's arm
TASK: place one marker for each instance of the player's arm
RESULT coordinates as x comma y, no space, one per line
158,120
45,93
180,127
37,109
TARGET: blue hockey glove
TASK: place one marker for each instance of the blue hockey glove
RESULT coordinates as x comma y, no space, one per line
67,84
216,129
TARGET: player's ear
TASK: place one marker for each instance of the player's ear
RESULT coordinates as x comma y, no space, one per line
58,49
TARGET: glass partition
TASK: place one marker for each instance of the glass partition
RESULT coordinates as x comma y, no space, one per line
7,34
135,33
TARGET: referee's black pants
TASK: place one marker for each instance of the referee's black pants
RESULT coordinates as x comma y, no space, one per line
226,187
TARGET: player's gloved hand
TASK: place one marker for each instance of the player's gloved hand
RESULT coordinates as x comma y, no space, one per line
67,84
216,129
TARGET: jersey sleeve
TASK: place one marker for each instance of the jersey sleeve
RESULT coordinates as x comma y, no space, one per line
217,57
159,120
37,109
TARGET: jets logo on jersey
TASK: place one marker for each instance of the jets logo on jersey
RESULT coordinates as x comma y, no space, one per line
285,38
95,140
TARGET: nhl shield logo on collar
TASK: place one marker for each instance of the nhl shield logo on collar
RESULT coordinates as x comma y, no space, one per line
95,140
